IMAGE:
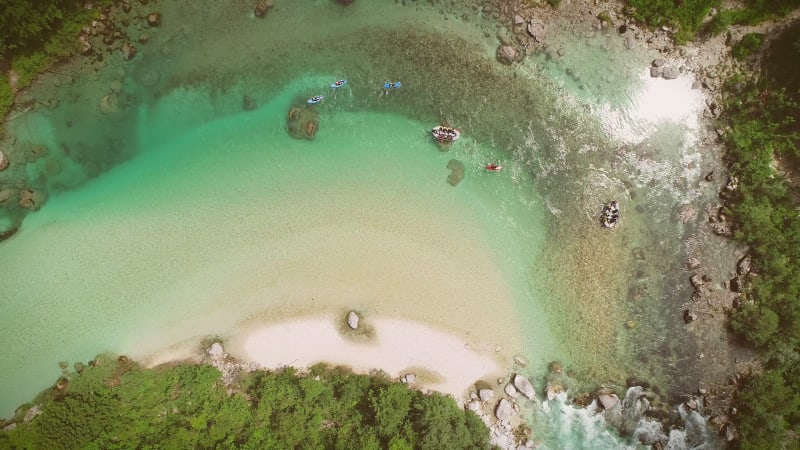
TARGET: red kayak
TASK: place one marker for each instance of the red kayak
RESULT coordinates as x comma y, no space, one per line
494,168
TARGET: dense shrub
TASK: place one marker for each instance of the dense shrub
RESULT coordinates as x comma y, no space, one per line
688,17
749,45
34,35
117,404
761,135
685,16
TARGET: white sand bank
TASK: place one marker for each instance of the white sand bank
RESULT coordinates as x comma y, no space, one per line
398,347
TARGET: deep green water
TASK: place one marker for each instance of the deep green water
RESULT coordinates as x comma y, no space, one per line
174,214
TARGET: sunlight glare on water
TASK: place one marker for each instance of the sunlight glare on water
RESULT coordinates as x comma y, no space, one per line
651,102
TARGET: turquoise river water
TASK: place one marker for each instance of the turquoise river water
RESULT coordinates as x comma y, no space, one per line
173,214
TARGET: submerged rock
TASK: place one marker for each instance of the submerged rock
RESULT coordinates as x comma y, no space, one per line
154,19
262,7
109,104
536,30
7,232
3,161
128,51
553,389
248,103
506,54
303,123
457,171
31,199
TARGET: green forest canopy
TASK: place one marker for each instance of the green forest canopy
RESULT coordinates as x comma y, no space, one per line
114,403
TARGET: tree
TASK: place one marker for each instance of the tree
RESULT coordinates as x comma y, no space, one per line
390,405
757,324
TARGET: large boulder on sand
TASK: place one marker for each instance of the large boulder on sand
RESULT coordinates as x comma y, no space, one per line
457,171
352,320
503,411
303,122
216,351
524,386
511,391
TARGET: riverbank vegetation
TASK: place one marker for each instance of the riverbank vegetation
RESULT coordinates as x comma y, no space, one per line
689,17
35,35
764,150
115,403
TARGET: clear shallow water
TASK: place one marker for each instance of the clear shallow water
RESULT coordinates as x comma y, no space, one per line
218,207
236,219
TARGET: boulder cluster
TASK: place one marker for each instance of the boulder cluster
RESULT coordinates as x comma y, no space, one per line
228,366
106,36
499,409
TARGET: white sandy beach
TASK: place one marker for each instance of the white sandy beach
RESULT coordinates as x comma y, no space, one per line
440,361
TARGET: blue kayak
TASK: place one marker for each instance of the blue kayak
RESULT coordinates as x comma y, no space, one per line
315,99
338,84
392,85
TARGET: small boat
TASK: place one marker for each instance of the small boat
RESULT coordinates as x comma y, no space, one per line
338,83
610,215
444,133
494,167
315,99
390,85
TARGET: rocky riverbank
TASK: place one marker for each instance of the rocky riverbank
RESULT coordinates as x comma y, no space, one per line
717,267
